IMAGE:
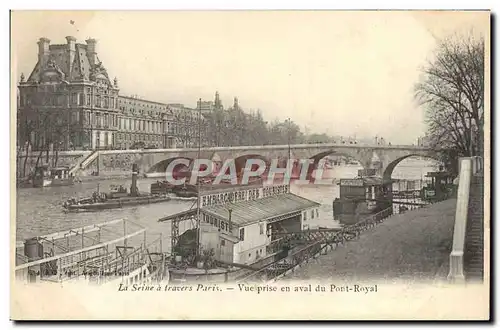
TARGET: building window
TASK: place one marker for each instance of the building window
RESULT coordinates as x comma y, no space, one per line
242,234
312,214
261,225
222,242
305,216
317,213
81,99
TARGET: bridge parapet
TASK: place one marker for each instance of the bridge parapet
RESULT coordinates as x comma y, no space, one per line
156,160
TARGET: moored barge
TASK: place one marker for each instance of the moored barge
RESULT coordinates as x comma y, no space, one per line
45,176
118,197
359,197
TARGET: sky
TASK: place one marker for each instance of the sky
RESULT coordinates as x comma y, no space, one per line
340,73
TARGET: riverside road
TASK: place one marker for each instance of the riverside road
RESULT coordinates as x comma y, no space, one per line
410,246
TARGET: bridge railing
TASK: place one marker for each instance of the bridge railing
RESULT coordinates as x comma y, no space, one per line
269,147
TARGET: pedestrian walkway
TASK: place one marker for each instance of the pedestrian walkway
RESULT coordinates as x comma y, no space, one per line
409,246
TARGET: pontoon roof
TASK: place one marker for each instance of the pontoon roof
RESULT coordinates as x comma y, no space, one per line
247,212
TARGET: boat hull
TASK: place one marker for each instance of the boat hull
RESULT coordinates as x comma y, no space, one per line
39,183
116,204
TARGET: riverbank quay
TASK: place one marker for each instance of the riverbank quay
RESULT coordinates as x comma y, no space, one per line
412,246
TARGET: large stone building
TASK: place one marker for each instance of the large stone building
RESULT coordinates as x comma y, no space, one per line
70,101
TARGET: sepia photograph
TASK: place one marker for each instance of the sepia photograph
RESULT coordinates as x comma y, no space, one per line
174,165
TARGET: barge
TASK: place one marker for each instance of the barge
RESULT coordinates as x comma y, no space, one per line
359,197
45,176
118,197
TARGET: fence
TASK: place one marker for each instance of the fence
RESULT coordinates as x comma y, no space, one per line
303,254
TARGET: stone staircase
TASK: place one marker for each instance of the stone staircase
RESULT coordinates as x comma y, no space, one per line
83,163
474,240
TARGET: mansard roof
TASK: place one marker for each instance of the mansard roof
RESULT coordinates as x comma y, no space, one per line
78,69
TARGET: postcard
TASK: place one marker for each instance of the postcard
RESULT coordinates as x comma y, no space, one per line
250,165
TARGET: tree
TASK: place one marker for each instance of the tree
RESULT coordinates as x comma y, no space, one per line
451,90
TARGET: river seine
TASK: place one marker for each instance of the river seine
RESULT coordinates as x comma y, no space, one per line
39,210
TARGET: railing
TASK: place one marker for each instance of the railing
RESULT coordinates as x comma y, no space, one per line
323,245
457,254
274,146
315,235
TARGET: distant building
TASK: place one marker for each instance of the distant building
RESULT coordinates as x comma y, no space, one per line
423,141
69,100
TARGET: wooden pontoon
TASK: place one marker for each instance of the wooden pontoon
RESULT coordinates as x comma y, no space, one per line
64,256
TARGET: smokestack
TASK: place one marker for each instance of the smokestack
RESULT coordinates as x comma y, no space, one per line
43,51
134,192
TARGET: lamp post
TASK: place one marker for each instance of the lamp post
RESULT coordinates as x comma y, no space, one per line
289,151
198,199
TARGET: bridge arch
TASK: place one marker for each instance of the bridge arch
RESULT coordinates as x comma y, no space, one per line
240,161
364,157
162,165
387,172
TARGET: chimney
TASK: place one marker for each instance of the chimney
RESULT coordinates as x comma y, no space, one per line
43,51
92,50
217,102
71,50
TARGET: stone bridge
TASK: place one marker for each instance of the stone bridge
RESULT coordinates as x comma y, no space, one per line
384,158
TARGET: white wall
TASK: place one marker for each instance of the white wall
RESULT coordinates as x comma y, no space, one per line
253,241
307,219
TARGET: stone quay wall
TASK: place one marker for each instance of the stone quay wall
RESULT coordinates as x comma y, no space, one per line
64,158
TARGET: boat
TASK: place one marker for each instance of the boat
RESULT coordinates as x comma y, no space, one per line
439,187
361,196
118,197
111,253
161,188
45,176
102,203
185,191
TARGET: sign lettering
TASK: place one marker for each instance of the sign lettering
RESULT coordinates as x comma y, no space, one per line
351,182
